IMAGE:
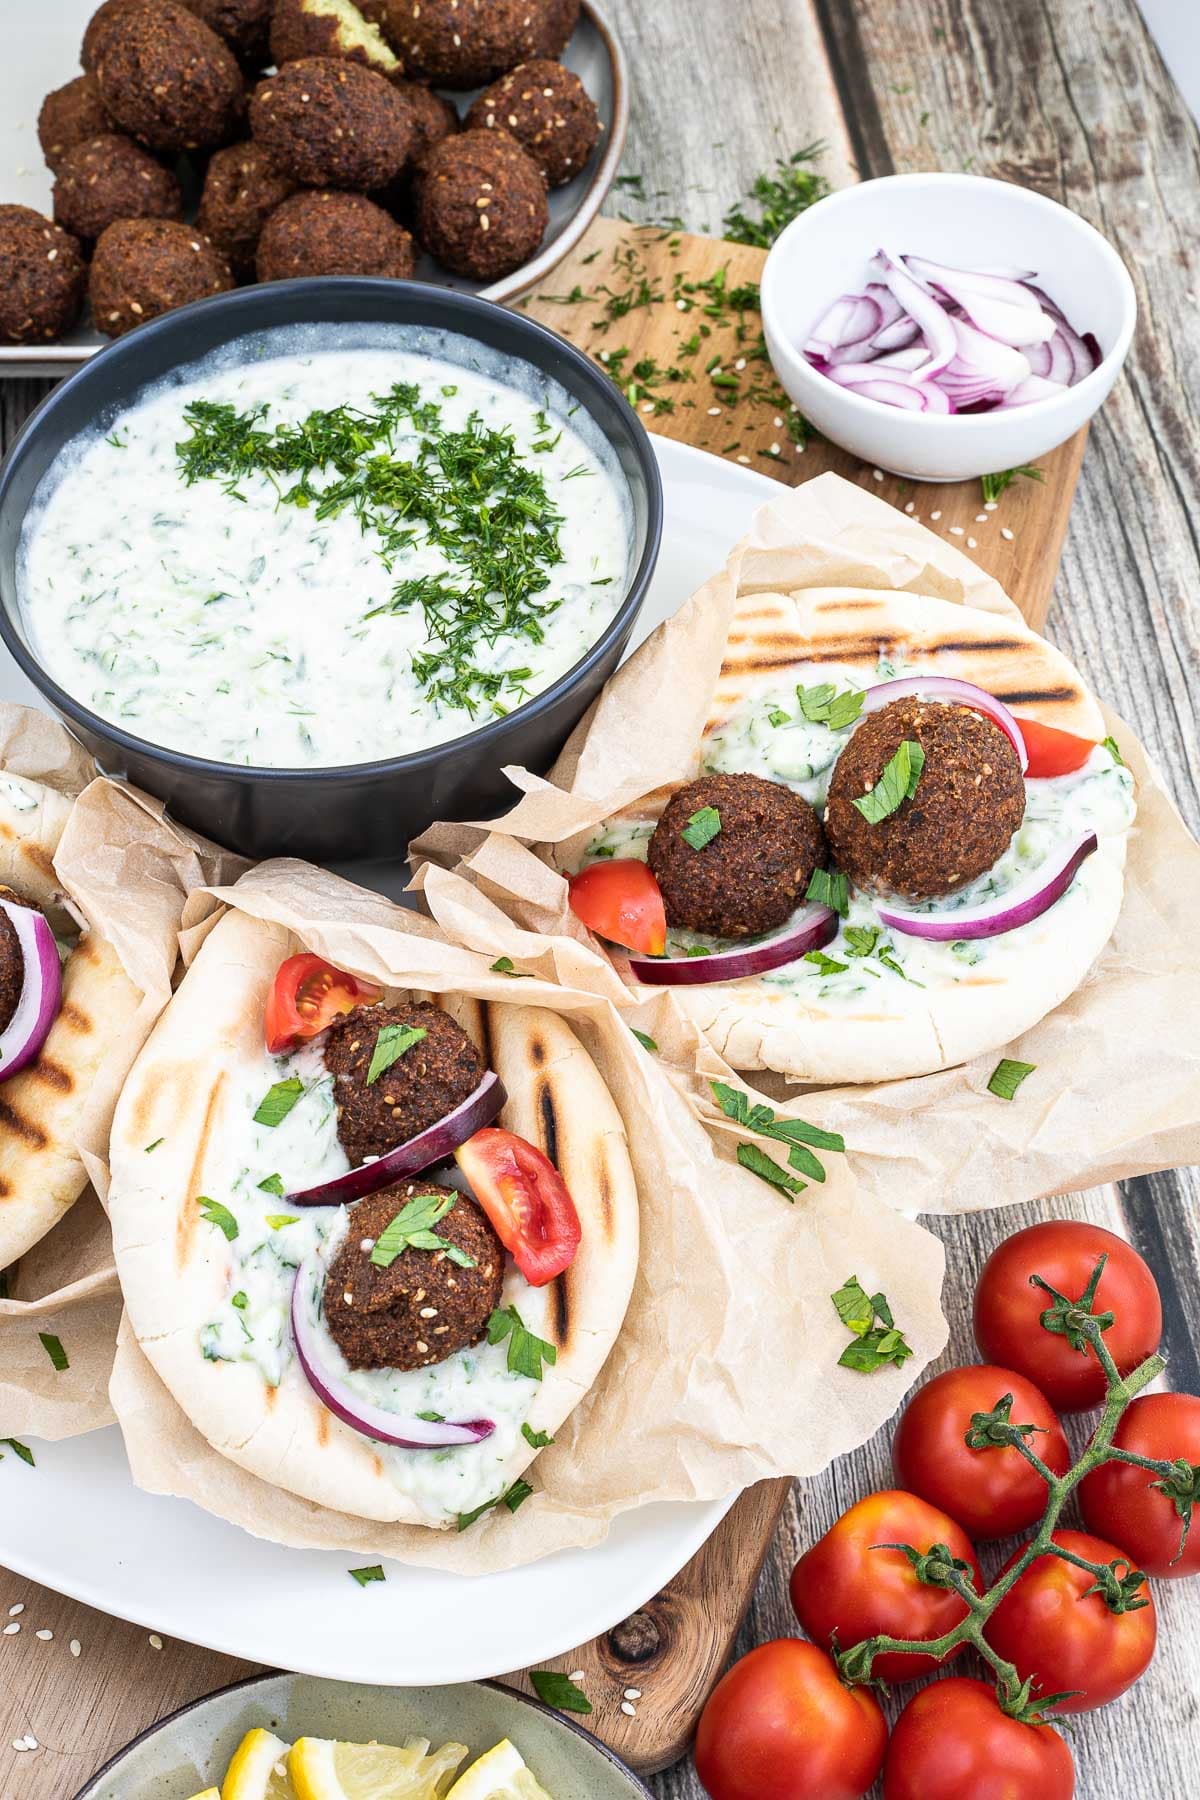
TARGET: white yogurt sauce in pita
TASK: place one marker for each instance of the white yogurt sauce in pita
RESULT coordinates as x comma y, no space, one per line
253,1324
766,737
253,631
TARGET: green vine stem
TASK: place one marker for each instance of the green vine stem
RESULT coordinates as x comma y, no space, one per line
1117,1582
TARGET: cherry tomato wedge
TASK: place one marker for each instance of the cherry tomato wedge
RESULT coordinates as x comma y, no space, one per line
307,995
780,1725
526,1200
952,1742
1125,1503
621,901
1051,751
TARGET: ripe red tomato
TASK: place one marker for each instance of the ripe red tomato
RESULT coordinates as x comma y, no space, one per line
847,1587
992,1492
781,1726
1122,1502
1049,1627
307,995
1053,751
526,1200
622,902
1064,1252
952,1742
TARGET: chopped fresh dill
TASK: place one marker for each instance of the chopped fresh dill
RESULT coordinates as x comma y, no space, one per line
781,197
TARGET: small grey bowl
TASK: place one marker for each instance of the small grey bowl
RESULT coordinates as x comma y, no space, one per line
189,1750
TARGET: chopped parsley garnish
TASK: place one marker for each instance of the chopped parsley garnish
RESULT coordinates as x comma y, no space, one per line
272,1184
781,197
767,1169
994,485
645,1040
826,965
21,1450
365,1576
392,1042
432,1418
1007,1077
1110,744
277,1221
537,1440
504,965
412,1228
553,1688
54,1350
897,784
154,1145
828,888
823,705
213,1213
275,1106
702,827
511,1497
526,1353
779,715
797,1134
861,939
876,1340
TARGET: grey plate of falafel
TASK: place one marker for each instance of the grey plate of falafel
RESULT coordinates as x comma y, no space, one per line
213,143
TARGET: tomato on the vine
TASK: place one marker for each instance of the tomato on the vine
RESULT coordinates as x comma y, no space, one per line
1064,1253
953,1742
1123,1502
780,1725
1052,1627
992,1491
850,1586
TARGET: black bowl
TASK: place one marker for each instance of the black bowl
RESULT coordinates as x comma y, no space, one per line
362,810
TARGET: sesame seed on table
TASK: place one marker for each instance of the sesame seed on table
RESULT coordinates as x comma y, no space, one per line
1071,97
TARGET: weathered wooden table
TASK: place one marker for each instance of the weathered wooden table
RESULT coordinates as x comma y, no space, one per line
1071,97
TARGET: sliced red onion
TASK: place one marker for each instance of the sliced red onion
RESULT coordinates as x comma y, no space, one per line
923,309
1003,308
895,387
1029,900
1064,357
41,989
806,930
981,368
1031,389
948,687
898,335
430,1146
851,320
334,1392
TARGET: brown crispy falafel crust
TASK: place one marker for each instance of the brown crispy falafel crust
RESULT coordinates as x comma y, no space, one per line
145,267
169,81
103,22
242,187
754,874
108,178
243,24
423,1307
463,44
42,277
969,801
322,232
420,1088
12,967
327,122
562,16
71,115
296,32
480,204
549,112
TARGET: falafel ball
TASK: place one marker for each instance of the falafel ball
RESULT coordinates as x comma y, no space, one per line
480,204
423,1307
242,187
437,1074
69,116
322,232
144,267
169,81
42,277
969,800
12,969
245,25
549,112
327,122
434,118
562,16
464,44
753,873
103,22
111,177
330,28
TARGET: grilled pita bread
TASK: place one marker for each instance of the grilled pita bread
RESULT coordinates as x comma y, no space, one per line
778,641
175,1267
41,1172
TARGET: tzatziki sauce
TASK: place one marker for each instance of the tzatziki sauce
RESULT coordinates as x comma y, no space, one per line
447,536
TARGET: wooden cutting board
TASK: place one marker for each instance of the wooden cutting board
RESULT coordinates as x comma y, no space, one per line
617,297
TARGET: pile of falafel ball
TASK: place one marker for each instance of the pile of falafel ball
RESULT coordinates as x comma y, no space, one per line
341,162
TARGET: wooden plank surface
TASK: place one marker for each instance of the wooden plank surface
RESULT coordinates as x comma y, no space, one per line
1070,96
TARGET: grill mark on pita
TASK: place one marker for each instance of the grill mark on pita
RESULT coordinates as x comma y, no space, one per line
377,1465
796,650
549,1120
1034,696
52,1075
837,606
40,858
604,1195
972,646
322,1426
18,1126
485,1046
72,1016
560,1307
537,1052
189,1213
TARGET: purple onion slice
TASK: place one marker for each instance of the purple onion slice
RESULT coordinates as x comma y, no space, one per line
41,989
806,930
1027,901
407,1432
430,1146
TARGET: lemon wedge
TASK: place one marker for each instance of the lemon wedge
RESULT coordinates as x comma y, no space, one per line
323,1769
258,1770
499,1774
208,1794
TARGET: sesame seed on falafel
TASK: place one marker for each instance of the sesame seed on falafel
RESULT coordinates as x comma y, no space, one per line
440,1070
242,187
549,112
168,81
71,115
145,267
322,232
110,177
480,204
331,123
463,44
42,277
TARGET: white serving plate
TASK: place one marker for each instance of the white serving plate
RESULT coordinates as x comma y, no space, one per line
41,52
77,1524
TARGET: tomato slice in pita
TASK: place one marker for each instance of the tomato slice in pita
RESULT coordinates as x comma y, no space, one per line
1051,751
526,1200
307,995
621,901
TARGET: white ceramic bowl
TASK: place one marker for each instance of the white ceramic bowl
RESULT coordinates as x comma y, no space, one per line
971,222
